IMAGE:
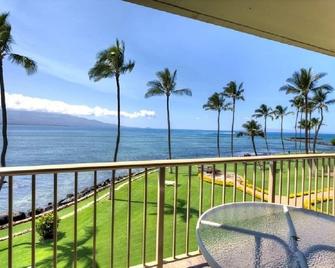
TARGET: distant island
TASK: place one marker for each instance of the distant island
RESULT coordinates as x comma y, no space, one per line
17,117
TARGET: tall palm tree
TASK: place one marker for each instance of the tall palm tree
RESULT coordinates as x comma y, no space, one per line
165,85
28,64
302,83
321,103
235,92
297,102
310,110
265,112
303,124
280,112
111,63
216,102
252,129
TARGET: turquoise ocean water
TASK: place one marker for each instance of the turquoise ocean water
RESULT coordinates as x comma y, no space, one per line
38,145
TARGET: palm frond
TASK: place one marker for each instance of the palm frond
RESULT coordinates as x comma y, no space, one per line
183,91
6,39
111,62
332,101
154,92
100,71
241,134
326,87
155,83
3,18
128,67
28,64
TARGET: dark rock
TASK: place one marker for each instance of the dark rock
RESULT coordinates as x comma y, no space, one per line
65,201
48,207
29,213
3,219
61,202
17,216
39,211
69,195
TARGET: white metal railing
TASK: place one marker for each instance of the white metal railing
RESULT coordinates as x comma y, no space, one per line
310,182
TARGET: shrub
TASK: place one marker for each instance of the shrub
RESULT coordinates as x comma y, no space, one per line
332,141
44,226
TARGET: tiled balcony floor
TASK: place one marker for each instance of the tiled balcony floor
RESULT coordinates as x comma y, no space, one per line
190,262
193,260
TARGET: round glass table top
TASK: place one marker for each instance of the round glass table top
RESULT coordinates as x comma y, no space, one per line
266,235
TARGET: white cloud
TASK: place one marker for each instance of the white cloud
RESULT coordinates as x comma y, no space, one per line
26,103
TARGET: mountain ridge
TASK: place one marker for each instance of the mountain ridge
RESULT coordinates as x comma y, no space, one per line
19,117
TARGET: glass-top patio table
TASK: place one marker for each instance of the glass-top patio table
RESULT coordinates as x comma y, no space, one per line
266,235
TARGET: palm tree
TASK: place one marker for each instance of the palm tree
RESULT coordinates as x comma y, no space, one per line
280,112
216,102
252,129
165,85
321,104
310,110
28,64
111,63
303,124
302,83
265,112
235,92
297,102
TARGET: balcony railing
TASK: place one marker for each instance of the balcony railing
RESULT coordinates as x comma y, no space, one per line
150,217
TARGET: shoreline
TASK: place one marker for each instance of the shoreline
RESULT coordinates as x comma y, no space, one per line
22,217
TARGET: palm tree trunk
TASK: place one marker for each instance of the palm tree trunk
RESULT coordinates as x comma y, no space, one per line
253,144
169,126
295,130
232,130
116,150
281,133
4,122
317,131
266,136
309,131
300,133
218,135
118,120
306,120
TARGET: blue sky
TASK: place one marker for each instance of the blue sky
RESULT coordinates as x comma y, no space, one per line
64,36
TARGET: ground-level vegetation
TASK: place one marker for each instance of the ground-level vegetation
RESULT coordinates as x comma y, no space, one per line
22,243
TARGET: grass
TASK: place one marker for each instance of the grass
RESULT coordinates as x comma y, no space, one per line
22,244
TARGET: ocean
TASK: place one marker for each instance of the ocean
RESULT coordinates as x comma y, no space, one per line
40,145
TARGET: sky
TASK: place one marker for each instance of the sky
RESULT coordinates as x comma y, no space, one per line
64,37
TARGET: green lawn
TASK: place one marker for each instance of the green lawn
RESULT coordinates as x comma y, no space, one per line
22,244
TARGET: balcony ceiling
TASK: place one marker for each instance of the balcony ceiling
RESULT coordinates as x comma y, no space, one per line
308,24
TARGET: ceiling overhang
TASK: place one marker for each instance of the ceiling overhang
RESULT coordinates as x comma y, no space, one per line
304,23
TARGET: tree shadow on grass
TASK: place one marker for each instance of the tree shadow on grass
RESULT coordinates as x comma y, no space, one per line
39,244
65,252
168,209
181,210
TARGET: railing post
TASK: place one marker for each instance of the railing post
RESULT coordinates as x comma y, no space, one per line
160,217
272,182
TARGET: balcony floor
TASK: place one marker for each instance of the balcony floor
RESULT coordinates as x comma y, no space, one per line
193,260
190,262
